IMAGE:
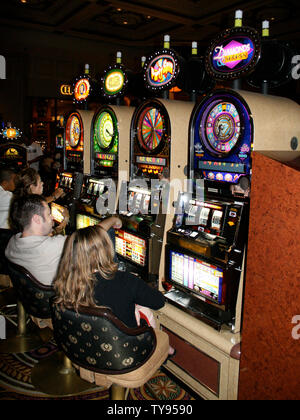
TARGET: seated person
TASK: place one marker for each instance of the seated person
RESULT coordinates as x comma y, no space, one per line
48,174
32,247
7,186
88,276
29,182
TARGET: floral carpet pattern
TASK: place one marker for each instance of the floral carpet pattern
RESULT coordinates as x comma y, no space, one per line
15,381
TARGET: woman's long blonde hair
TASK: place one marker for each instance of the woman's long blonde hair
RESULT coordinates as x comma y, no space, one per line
86,251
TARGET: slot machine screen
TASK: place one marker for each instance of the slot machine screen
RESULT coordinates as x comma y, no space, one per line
131,247
84,220
57,212
197,276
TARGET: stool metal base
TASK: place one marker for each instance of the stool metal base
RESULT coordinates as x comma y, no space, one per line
20,344
57,377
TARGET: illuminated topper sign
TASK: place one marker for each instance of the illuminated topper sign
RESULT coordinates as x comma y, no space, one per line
82,89
161,70
66,90
233,54
11,133
114,81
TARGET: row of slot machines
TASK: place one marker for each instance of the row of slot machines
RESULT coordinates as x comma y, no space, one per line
179,177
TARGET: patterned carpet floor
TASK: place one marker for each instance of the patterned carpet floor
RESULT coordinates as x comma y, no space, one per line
15,377
15,381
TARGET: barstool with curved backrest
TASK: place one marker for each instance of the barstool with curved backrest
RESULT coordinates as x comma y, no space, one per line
8,300
5,235
35,299
107,352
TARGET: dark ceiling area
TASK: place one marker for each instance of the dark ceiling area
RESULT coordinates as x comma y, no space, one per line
142,23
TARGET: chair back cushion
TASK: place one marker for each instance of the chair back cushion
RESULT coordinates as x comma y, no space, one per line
33,295
5,235
95,339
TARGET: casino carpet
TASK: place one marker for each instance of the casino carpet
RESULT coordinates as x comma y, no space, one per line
15,383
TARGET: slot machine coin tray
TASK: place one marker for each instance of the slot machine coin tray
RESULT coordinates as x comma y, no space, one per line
195,307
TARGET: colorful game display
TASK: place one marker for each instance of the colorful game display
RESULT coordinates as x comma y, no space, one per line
151,129
131,247
74,141
105,140
222,138
151,139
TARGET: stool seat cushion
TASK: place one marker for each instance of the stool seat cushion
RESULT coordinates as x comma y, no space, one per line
139,376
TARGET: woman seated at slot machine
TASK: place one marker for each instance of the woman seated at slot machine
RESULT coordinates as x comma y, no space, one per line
88,275
29,182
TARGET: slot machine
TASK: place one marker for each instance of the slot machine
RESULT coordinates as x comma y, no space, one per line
209,234
76,158
206,253
109,161
159,130
12,153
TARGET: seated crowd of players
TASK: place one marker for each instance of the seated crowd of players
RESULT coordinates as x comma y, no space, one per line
82,267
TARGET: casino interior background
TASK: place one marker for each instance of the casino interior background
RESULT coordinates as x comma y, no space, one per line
46,44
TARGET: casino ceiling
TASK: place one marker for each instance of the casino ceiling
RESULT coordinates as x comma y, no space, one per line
142,23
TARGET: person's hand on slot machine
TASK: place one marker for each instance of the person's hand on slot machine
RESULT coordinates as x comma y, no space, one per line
66,217
66,214
117,223
59,192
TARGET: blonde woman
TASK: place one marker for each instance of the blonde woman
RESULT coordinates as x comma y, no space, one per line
88,276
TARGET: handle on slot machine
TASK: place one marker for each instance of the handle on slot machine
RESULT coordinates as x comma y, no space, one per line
77,185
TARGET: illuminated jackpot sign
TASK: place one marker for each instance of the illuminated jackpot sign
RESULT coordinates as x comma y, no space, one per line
161,70
234,53
82,90
114,81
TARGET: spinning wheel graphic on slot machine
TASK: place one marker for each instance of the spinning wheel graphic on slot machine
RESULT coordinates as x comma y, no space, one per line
151,129
105,130
75,131
222,128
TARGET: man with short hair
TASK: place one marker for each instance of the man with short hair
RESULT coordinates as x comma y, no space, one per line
33,248
7,186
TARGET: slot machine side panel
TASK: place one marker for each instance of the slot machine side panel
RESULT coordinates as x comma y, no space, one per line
124,117
179,114
276,124
87,117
